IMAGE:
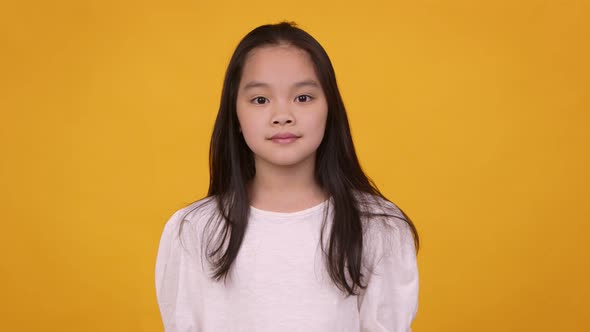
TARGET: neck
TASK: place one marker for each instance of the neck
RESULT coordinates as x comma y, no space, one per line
285,188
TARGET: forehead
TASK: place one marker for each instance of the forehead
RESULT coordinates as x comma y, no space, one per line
278,63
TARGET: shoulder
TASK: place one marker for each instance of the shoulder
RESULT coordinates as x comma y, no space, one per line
385,226
190,217
378,212
194,212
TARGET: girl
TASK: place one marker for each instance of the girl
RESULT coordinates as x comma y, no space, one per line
292,235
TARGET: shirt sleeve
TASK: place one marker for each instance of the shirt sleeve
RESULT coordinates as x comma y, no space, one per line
174,277
390,301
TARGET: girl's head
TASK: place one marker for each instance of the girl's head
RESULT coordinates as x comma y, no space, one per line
279,80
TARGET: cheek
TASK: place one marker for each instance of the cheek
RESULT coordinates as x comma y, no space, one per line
250,137
318,123
249,124
250,130
243,119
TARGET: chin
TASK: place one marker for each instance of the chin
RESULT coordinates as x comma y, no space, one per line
286,160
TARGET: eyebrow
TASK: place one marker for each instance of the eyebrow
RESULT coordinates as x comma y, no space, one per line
258,84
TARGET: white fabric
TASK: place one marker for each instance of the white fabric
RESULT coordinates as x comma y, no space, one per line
279,281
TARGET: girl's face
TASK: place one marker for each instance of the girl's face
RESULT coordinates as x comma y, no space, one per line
281,106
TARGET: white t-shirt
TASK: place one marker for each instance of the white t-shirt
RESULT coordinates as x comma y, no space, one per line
279,282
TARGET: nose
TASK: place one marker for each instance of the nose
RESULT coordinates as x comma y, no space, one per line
282,120
282,116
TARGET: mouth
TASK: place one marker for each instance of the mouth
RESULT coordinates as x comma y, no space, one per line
284,138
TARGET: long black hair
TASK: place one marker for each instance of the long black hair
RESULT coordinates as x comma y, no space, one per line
337,169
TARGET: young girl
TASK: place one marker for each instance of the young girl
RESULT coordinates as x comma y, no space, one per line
292,235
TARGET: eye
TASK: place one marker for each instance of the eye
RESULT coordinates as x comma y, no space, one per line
259,100
303,98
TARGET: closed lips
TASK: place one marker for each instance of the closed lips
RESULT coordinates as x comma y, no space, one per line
284,136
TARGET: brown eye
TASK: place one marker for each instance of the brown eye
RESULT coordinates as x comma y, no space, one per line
303,98
259,100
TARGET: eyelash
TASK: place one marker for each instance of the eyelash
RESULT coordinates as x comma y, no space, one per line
254,100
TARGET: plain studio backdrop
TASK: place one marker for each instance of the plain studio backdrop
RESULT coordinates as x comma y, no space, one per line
472,116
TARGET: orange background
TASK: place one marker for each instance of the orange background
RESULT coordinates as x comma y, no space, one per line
472,116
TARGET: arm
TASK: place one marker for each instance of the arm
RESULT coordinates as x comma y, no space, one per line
390,301
173,277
